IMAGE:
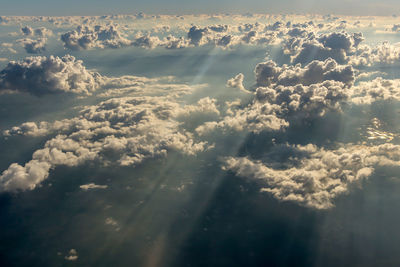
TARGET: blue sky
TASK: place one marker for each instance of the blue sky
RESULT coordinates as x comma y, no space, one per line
97,7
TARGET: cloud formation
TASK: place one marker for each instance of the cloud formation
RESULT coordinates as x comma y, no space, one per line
287,94
315,176
268,73
86,37
122,131
48,75
87,187
39,32
34,46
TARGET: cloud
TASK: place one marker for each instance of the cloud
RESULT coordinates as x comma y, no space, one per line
24,178
48,75
8,48
205,105
112,222
27,30
254,118
196,34
287,94
237,82
382,54
39,32
147,41
33,46
122,131
378,89
87,37
315,176
300,102
87,187
331,45
219,28
172,42
268,73
72,255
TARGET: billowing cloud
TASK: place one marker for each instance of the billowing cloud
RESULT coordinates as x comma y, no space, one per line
268,73
237,82
285,94
48,75
39,32
86,37
332,45
315,176
381,54
122,131
378,89
147,41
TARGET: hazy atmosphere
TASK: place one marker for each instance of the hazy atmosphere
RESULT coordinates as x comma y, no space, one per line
180,133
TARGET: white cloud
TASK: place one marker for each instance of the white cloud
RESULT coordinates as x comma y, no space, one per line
87,187
24,178
381,54
87,37
378,89
268,73
316,176
122,131
72,255
48,75
237,82
274,107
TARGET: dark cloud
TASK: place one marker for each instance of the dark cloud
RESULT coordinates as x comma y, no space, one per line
34,46
332,45
196,34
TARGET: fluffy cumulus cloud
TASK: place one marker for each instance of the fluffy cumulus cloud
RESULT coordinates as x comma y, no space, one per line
378,89
86,37
312,176
237,82
268,73
336,45
382,54
287,94
227,37
297,38
48,75
121,131
26,177
303,101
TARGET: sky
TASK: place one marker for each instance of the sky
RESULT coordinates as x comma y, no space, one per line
212,139
100,7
